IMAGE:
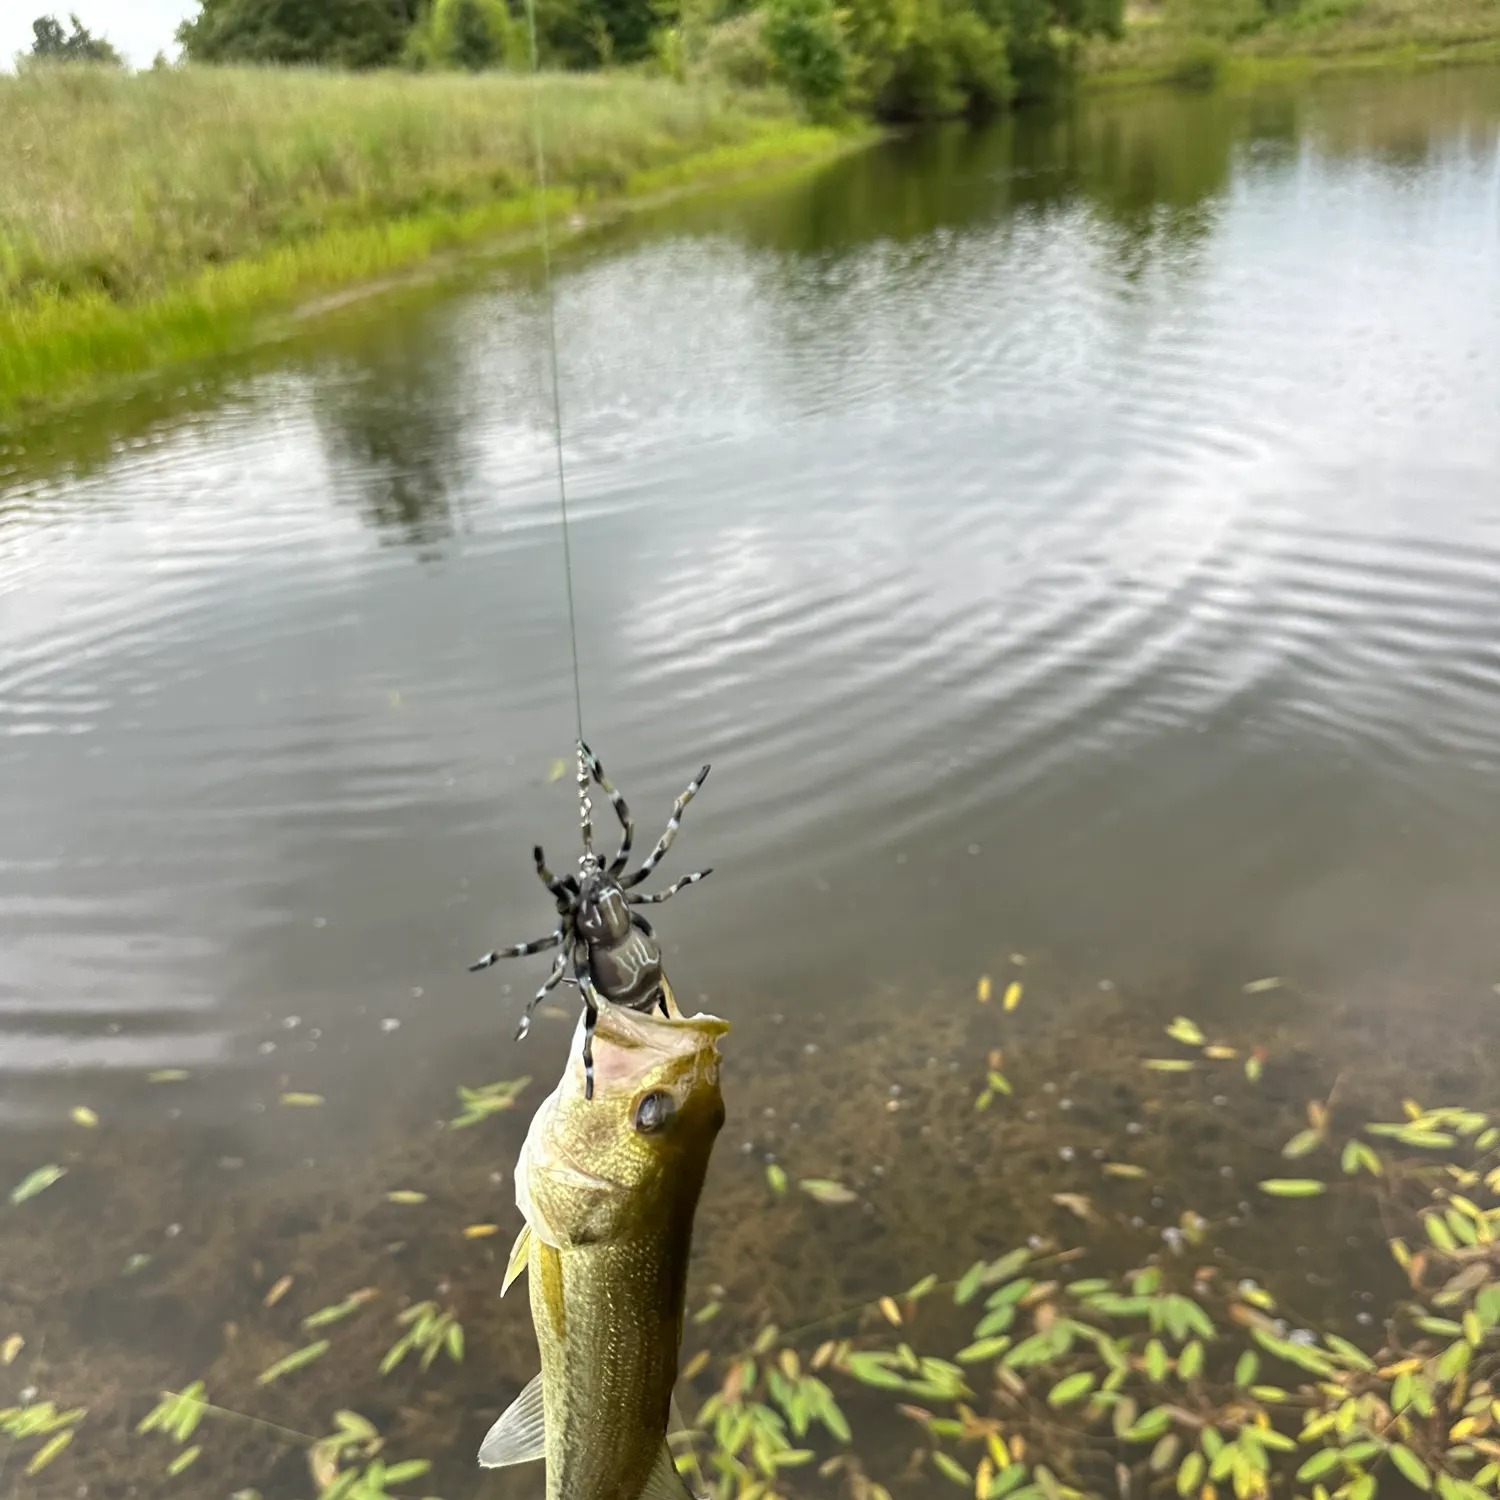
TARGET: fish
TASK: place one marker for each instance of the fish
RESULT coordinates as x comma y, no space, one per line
608,1188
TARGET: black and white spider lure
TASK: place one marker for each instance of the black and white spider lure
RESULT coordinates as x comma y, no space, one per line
613,949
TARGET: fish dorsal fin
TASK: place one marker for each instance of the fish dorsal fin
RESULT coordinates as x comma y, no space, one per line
665,1482
521,1433
519,1253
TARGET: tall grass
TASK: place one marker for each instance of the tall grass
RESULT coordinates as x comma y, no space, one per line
147,216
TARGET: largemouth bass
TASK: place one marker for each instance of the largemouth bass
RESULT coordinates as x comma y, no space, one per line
608,1187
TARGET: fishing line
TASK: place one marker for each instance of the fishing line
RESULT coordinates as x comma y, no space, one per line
557,426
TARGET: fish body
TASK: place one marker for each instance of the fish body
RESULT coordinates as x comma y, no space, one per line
609,1187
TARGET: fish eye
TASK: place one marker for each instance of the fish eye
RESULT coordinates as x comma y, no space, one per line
655,1112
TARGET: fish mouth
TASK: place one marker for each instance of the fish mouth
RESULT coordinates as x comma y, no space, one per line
629,1045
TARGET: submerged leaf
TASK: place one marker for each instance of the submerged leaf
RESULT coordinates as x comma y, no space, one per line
294,1361
81,1114
982,992
1169,1065
405,1195
1293,1187
168,1075
825,1190
1012,994
1260,986
776,1177
37,1182
302,1101
48,1451
1185,1031
1123,1169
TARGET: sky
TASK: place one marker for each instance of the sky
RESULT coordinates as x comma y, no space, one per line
139,28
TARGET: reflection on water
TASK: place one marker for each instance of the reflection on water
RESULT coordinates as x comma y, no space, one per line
1077,538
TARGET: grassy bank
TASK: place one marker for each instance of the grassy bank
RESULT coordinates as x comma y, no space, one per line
1201,42
163,216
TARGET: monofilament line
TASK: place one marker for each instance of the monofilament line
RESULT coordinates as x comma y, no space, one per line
557,428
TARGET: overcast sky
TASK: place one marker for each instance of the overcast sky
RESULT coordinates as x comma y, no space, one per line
139,28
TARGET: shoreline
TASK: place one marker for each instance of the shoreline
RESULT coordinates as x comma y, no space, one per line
1226,67
74,350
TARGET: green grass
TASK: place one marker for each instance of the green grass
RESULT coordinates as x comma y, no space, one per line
1197,42
157,217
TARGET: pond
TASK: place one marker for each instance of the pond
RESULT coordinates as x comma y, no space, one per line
1075,544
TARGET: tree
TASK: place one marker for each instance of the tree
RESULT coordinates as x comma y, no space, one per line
50,43
338,33
472,34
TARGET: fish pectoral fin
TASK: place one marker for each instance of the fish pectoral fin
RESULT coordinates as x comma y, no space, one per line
518,1257
521,1433
665,1483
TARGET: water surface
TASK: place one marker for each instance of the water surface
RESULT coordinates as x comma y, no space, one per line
1077,539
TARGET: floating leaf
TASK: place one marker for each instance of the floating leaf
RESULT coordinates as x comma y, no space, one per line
48,1451
1185,1031
776,1176
952,1468
37,1182
983,990
168,1075
1072,1388
294,1361
825,1190
1293,1187
302,1101
405,1195
1169,1065
1411,1467
81,1114
1012,994
983,1349
1260,986
184,1460
339,1310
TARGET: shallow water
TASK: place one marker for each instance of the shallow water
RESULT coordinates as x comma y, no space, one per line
1078,539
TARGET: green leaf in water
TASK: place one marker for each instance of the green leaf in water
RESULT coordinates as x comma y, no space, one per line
184,1460
1185,1031
1412,1468
1169,1065
294,1361
1293,1187
776,1177
952,1468
1247,1367
825,1190
37,1182
1070,1389
1260,986
1304,1143
48,1451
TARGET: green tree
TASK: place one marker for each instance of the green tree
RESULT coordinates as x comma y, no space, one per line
50,43
340,33
808,50
473,34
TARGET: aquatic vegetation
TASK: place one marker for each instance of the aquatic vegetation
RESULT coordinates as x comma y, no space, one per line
486,1100
41,1420
430,1331
37,1182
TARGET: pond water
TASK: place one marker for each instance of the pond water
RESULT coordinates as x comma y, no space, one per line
1076,542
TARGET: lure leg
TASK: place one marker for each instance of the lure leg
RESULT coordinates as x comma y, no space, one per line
520,950
591,1015
673,824
671,890
622,812
555,977
585,807
637,920
564,889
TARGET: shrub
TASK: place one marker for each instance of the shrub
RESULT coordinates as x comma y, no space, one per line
805,42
